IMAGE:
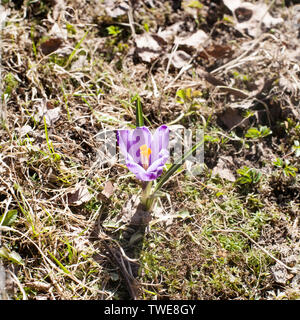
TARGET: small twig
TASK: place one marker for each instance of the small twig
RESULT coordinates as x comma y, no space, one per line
130,280
182,70
131,22
19,285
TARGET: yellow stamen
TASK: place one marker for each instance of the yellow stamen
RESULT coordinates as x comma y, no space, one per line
145,155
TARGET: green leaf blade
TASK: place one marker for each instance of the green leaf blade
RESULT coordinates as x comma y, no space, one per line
139,112
177,165
9,218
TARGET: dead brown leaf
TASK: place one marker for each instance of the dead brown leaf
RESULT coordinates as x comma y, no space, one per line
169,33
180,59
230,118
51,45
108,189
51,114
195,40
216,51
79,196
116,8
149,47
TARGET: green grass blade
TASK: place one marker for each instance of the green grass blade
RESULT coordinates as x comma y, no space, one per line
179,163
47,137
76,48
59,263
139,112
32,40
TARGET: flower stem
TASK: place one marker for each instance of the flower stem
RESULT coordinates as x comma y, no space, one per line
146,200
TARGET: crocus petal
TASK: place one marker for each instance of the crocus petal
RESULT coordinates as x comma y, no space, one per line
124,137
158,164
153,172
140,136
140,172
160,140
130,141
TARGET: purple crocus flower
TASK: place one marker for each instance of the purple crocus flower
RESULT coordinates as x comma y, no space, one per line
145,155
